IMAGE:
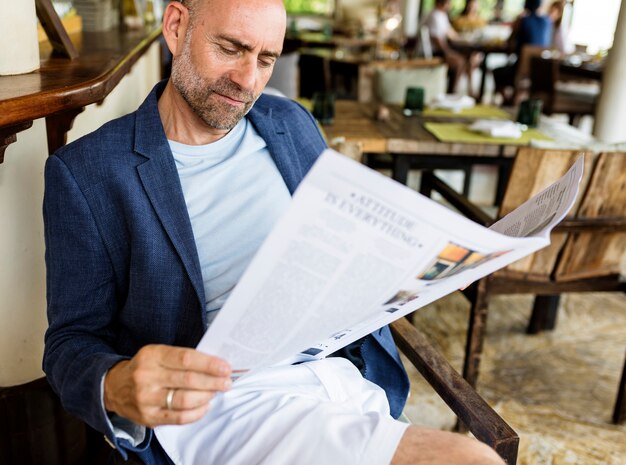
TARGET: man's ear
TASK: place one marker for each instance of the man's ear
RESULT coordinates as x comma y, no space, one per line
175,25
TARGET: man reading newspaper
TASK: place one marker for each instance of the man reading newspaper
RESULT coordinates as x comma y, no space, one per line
150,222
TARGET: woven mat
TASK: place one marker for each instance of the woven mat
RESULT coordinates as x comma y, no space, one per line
478,111
458,132
556,389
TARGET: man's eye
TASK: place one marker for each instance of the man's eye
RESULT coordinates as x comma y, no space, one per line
230,51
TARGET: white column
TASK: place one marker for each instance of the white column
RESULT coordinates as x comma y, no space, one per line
610,118
19,47
410,14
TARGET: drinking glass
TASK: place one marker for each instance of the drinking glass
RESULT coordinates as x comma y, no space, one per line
529,112
414,101
324,107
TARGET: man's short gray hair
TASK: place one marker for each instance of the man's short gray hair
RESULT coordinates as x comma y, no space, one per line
188,3
191,5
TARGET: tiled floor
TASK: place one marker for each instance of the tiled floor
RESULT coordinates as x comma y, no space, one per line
556,389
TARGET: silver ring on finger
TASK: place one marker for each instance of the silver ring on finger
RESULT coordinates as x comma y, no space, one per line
169,398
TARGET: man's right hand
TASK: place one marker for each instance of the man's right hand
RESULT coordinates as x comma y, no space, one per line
138,389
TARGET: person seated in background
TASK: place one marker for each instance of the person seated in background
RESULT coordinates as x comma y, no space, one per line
560,34
441,32
530,28
468,24
469,20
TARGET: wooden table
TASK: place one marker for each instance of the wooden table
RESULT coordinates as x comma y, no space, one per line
411,145
585,70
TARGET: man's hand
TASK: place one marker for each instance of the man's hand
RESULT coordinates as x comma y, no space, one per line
138,389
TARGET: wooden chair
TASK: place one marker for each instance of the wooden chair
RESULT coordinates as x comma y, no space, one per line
515,83
523,79
34,428
585,251
573,98
471,409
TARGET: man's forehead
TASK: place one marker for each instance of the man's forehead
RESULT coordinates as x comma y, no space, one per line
274,8
249,23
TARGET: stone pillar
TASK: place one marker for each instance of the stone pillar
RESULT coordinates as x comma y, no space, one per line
19,46
610,118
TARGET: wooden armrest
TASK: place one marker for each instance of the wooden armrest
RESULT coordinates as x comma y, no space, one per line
431,182
484,423
594,225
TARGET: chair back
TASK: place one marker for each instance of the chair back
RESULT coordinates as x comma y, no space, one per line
533,170
524,63
35,430
543,76
523,76
595,254
561,94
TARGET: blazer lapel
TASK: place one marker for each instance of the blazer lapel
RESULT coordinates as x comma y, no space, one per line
162,185
273,130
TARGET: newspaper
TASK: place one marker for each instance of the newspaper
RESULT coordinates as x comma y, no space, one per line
356,251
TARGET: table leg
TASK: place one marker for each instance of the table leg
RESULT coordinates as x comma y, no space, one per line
504,172
467,180
483,77
401,165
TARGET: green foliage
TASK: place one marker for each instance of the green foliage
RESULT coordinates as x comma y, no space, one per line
317,7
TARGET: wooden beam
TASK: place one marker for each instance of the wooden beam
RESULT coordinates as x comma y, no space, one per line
55,31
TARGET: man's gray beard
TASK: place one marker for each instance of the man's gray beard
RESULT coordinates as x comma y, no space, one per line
196,91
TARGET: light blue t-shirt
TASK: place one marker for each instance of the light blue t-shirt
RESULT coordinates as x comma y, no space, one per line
234,194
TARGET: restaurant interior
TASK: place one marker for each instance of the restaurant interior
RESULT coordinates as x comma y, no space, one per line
448,98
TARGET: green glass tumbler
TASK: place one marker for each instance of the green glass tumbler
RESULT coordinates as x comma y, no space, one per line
529,112
413,101
324,107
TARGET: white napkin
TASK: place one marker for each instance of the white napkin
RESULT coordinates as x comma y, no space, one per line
498,128
452,102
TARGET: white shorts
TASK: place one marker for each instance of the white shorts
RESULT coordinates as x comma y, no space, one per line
321,412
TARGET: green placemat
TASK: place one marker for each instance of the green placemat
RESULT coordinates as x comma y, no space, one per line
305,102
478,111
308,104
458,132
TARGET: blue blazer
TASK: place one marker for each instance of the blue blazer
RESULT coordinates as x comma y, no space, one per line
122,265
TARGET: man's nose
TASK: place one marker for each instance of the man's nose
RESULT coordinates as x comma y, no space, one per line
245,73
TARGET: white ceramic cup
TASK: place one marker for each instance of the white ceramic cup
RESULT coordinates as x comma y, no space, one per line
19,45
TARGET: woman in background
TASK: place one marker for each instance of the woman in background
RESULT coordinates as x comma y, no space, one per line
530,28
469,20
441,32
560,35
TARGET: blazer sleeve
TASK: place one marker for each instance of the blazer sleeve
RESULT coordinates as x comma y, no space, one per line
81,300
